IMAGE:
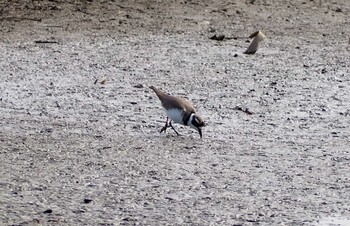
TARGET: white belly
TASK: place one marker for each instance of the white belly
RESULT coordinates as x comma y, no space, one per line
175,115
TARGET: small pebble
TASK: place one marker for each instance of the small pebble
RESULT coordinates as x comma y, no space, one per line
48,211
86,201
217,37
139,86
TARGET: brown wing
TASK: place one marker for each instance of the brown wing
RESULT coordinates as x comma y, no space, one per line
169,101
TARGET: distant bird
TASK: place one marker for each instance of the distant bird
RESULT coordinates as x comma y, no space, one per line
255,44
180,111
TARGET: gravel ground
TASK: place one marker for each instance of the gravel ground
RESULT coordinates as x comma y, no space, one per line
79,127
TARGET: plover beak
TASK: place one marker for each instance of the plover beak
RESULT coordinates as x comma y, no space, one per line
200,132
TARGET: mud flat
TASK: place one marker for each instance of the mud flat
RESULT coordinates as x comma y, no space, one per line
76,151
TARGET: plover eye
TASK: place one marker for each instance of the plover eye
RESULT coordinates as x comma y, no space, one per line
197,122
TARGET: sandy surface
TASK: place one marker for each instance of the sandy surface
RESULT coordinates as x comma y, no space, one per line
74,152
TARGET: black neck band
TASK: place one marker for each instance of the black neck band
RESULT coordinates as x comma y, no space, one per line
187,119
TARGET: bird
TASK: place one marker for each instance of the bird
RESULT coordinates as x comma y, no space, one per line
255,44
179,110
